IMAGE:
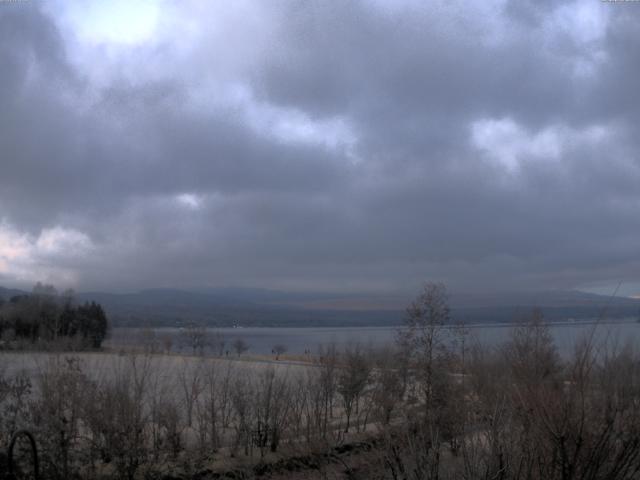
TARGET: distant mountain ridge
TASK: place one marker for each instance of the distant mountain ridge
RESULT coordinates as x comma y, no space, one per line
261,307
7,293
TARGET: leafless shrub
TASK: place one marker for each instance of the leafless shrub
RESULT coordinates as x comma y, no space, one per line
241,401
325,390
352,381
15,391
171,428
413,454
214,408
58,412
538,417
117,418
390,383
272,404
191,386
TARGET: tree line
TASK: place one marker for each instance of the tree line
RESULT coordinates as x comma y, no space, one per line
46,317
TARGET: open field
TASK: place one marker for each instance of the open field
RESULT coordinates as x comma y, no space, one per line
214,412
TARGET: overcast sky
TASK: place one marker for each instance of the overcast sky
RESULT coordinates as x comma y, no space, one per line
329,145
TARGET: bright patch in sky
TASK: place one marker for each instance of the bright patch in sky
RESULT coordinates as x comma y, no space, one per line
12,246
290,125
189,200
126,22
506,142
28,258
62,241
585,22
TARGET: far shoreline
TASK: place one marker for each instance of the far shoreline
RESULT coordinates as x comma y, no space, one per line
586,322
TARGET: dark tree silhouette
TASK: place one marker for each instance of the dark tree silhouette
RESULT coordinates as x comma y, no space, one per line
46,316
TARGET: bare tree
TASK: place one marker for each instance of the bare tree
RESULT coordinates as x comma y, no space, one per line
190,380
279,349
241,400
15,392
196,338
149,340
215,408
240,346
531,352
299,407
415,446
171,425
389,386
328,380
273,401
116,416
352,380
58,411
423,337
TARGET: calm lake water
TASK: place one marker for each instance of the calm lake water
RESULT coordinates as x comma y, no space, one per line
299,340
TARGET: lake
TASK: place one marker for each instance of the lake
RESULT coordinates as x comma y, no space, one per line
261,340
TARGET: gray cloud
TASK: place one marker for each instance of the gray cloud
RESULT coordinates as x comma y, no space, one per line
324,146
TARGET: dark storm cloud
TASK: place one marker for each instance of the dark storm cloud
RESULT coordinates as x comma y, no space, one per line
328,146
